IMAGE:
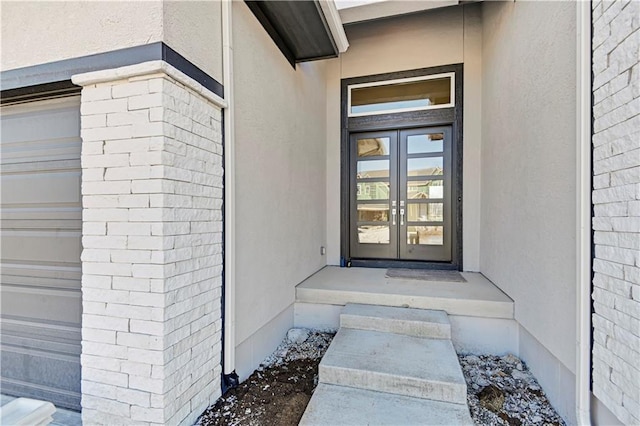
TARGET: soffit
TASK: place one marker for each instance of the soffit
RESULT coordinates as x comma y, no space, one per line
353,11
300,29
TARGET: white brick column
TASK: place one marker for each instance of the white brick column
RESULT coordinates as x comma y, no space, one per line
152,239
616,199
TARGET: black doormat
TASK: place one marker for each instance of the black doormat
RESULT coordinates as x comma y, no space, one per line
426,275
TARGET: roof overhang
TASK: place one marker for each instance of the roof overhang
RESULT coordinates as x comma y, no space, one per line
353,11
302,30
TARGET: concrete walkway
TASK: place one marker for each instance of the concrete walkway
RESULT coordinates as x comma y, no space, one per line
390,366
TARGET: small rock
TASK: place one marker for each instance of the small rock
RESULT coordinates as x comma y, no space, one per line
472,359
519,375
297,335
512,359
482,382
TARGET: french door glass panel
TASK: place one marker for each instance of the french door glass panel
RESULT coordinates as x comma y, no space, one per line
401,194
374,174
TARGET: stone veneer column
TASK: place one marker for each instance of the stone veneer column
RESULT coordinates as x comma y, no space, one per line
152,237
616,200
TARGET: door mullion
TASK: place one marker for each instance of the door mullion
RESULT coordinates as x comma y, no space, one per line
394,229
402,193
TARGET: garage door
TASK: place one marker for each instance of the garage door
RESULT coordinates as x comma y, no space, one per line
40,250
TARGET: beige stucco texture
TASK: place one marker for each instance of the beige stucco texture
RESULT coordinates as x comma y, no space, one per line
438,37
103,26
528,234
279,115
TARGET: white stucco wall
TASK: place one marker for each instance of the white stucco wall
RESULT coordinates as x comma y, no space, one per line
280,173
528,233
60,30
439,37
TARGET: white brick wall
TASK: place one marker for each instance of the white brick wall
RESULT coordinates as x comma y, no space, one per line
616,199
152,263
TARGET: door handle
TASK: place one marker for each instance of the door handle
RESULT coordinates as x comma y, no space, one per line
401,217
393,216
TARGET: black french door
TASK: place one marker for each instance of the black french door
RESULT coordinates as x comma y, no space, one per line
400,202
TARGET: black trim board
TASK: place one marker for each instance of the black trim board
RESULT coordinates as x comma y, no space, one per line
408,264
446,116
32,79
41,91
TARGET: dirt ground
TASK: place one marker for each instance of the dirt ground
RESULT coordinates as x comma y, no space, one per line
278,392
278,395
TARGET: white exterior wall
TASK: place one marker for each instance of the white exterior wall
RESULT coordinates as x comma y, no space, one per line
99,26
152,236
192,28
528,236
439,37
280,173
616,200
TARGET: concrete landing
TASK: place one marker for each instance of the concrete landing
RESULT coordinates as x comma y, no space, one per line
338,405
394,363
332,285
410,322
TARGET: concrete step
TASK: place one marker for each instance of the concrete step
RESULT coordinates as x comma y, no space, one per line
27,412
333,405
394,363
407,321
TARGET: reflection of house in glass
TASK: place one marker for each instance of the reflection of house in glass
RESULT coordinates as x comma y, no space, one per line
425,189
373,191
373,169
373,147
373,213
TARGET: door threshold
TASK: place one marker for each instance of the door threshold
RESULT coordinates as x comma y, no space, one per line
407,264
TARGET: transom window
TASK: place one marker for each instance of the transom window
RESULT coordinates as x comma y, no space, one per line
407,94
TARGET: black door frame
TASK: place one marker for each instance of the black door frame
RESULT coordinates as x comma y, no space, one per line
403,120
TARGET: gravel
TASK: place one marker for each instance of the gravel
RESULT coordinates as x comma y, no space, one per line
300,343
502,391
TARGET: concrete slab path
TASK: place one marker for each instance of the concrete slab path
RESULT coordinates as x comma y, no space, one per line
390,365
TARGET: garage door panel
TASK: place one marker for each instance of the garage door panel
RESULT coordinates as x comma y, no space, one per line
44,213
42,155
59,188
41,246
46,121
40,224
48,332
42,375
41,306
26,344
44,276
